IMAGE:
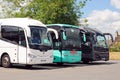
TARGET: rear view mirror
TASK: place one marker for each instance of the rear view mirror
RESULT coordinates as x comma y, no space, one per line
84,37
95,37
64,36
109,35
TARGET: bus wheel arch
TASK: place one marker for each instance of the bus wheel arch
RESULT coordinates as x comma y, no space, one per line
5,60
85,61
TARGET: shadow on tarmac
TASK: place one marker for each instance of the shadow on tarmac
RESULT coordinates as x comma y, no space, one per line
65,65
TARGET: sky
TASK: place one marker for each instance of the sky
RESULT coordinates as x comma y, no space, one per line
103,15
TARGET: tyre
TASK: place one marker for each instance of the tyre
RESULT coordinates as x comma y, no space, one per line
60,64
28,66
6,61
86,61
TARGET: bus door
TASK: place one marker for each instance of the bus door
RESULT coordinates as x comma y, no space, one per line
22,48
88,43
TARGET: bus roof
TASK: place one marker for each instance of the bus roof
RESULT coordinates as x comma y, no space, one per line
91,30
21,22
63,25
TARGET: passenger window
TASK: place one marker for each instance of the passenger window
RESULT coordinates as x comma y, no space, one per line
13,34
10,33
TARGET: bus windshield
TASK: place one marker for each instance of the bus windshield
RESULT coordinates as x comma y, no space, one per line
101,41
72,40
39,36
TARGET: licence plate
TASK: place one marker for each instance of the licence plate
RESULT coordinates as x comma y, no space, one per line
73,52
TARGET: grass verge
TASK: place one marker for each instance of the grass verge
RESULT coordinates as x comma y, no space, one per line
114,55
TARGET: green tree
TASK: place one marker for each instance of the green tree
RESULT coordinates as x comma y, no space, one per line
49,11
115,47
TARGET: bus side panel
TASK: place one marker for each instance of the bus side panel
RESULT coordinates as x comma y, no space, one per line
22,52
10,49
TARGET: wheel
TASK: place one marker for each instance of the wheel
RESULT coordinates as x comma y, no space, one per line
6,61
60,64
85,61
28,66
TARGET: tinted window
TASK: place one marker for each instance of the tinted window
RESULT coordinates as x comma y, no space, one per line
13,34
10,33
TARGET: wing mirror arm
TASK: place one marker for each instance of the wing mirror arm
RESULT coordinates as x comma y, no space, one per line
109,35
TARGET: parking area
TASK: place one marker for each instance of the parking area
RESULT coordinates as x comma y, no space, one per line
94,71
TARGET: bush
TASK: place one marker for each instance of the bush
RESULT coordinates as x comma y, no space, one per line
115,47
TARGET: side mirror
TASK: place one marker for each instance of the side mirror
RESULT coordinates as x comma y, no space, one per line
64,36
53,32
109,35
84,37
95,37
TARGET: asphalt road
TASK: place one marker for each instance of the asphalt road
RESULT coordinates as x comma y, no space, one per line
109,70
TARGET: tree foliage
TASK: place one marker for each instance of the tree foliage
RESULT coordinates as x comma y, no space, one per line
115,47
48,11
